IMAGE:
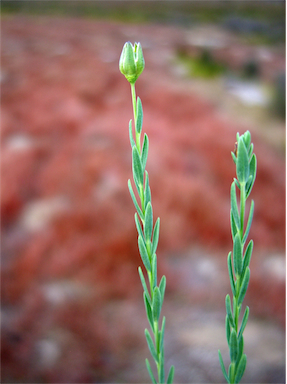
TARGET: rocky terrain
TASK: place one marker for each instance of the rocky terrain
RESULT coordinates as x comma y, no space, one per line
72,306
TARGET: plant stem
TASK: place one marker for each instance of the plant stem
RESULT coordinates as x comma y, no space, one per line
242,208
151,274
142,200
239,273
133,88
134,102
232,373
131,66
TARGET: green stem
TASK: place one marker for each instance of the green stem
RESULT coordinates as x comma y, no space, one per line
238,278
134,102
242,208
232,373
142,200
150,278
156,333
237,313
157,344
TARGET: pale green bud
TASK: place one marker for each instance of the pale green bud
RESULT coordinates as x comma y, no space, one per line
131,61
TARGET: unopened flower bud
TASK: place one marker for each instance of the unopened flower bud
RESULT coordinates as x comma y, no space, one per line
131,61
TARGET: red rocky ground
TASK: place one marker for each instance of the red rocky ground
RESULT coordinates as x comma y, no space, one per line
68,237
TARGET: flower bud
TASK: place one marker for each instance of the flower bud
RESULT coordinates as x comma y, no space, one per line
131,61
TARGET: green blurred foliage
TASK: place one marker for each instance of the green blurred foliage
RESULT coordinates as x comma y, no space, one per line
202,65
251,69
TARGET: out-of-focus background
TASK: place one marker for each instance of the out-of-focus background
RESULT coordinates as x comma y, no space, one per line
72,309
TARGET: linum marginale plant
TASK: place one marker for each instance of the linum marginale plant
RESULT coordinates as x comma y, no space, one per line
239,259
131,66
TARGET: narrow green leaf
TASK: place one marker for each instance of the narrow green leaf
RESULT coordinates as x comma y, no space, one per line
240,348
154,270
155,235
144,151
139,120
137,167
233,157
135,200
150,371
162,286
249,222
244,322
237,255
131,135
237,183
151,345
144,284
148,311
234,208
249,187
234,229
247,256
228,310
147,194
230,272
233,346
138,225
248,184
240,369
247,139
148,222
242,165
236,307
250,150
162,353
156,304
227,328
161,372
252,170
144,254
170,375
253,166
162,334
239,308
244,286
222,366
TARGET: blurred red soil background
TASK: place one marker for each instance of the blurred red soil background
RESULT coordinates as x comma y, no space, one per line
71,296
